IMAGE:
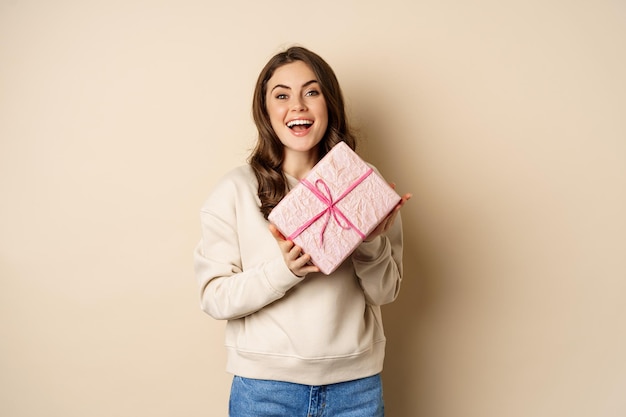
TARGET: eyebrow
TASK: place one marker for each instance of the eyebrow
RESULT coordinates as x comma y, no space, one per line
306,84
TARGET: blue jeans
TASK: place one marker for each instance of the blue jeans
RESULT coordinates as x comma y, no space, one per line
261,398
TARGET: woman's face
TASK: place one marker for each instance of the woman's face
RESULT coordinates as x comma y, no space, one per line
296,107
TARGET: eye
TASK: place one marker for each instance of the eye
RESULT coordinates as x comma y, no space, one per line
311,93
281,96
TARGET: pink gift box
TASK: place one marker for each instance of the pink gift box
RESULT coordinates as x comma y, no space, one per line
337,205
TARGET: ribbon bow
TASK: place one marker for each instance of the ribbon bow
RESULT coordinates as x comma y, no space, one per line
331,209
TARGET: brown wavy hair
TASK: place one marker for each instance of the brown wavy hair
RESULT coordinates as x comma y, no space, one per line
268,155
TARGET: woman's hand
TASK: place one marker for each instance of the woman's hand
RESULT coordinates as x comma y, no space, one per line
387,222
296,261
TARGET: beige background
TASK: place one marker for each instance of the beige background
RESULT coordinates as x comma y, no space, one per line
506,119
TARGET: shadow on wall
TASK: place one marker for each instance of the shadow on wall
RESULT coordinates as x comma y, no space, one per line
406,373
406,324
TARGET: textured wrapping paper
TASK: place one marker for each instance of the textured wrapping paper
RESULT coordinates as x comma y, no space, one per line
331,211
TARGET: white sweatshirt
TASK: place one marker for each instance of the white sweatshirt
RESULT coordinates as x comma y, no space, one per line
314,330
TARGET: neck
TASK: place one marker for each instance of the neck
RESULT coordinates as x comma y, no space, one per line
298,164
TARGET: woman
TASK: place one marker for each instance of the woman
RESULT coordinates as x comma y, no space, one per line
299,342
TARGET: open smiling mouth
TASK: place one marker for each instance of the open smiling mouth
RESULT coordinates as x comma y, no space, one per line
299,125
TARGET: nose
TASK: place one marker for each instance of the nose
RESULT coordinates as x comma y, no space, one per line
298,104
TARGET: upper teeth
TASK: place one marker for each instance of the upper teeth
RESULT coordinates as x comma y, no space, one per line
299,122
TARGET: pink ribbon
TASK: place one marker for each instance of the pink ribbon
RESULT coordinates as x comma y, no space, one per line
331,209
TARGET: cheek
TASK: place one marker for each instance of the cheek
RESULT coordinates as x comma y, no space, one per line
275,121
324,117
276,113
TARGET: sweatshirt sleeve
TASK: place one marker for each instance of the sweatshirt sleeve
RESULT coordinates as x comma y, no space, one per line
227,291
378,265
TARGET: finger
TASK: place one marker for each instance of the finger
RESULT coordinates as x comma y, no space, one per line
303,266
307,269
295,252
285,246
276,233
405,198
301,260
402,202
